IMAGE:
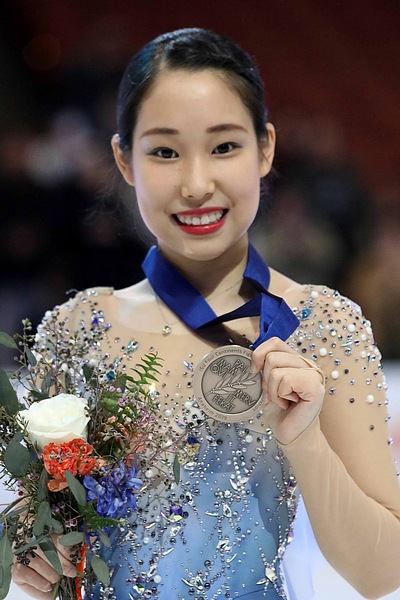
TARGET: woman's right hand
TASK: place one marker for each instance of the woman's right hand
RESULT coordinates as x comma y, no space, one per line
39,577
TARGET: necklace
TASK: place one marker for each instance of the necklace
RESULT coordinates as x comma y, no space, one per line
167,327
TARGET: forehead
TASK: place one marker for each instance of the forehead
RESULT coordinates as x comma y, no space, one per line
184,96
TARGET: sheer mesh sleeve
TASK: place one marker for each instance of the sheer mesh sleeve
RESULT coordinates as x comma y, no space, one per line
343,461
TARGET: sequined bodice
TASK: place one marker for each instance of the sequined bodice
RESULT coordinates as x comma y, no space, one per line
221,532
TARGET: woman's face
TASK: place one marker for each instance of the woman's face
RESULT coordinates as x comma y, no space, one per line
196,164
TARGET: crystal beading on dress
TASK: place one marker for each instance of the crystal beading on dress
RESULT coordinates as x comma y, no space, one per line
219,533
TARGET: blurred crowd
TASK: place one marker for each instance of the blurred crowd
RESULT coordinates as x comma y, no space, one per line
68,223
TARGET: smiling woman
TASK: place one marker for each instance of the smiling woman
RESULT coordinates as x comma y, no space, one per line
217,512
210,166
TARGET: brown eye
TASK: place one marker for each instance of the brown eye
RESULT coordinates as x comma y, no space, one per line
225,148
166,153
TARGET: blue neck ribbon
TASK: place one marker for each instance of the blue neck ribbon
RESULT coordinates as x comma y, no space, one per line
276,318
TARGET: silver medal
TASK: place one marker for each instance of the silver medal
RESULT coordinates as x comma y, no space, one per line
224,387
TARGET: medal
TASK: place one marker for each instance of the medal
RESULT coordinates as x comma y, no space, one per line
224,387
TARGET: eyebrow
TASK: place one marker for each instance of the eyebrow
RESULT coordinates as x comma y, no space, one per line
213,129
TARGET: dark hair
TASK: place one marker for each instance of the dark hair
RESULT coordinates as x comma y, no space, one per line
192,49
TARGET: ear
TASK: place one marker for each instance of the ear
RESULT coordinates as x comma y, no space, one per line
267,150
122,160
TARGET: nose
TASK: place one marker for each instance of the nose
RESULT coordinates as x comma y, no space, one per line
197,181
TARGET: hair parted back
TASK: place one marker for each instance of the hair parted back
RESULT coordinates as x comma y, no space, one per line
191,49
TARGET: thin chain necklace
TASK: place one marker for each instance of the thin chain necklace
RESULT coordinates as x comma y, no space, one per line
167,327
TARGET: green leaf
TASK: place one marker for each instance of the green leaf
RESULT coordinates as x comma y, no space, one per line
56,526
33,457
17,459
47,383
68,382
6,561
51,554
32,544
76,488
7,341
43,490
88,373
30,356
72,538
101,570
43,519
104,538
176,469
38,395
8,396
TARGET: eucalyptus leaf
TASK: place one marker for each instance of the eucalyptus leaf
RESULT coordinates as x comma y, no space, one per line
43,490
38,395
100,569
88,373
30,356
8,396
33,455
47,383
43,519
6,561
17,459
76,488
104,538
68,381
176,469
32,544
72,538
51,554
56,526
7,341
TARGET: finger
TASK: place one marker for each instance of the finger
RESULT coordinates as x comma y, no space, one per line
272,345
27,576
34,593
42,566
282,386
281,360
281,402
297,384
64,554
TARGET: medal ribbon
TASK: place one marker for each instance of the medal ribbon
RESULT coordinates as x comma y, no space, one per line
276,318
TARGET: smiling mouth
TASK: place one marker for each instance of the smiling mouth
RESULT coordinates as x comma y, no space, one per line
194,220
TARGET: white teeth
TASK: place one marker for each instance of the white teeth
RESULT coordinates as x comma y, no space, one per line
205,219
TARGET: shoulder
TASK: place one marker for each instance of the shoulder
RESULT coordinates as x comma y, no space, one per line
330,316
96,303
306,298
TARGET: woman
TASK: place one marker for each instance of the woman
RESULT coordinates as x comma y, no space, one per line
194,141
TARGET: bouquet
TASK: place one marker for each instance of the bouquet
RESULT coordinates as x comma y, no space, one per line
73,428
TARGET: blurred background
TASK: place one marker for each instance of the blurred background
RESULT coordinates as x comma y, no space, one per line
332,77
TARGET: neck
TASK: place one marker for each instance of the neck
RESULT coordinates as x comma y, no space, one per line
211,277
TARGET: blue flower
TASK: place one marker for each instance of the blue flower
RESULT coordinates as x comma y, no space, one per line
114,493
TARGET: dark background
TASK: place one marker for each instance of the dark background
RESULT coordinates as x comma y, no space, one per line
332,76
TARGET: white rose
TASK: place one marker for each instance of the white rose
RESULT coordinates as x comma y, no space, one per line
58,419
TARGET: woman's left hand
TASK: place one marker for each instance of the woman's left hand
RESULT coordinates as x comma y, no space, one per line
293,389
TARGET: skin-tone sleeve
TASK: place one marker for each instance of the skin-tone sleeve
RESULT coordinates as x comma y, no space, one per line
343,461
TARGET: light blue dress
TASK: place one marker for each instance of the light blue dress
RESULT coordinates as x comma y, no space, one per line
223,532
218,534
